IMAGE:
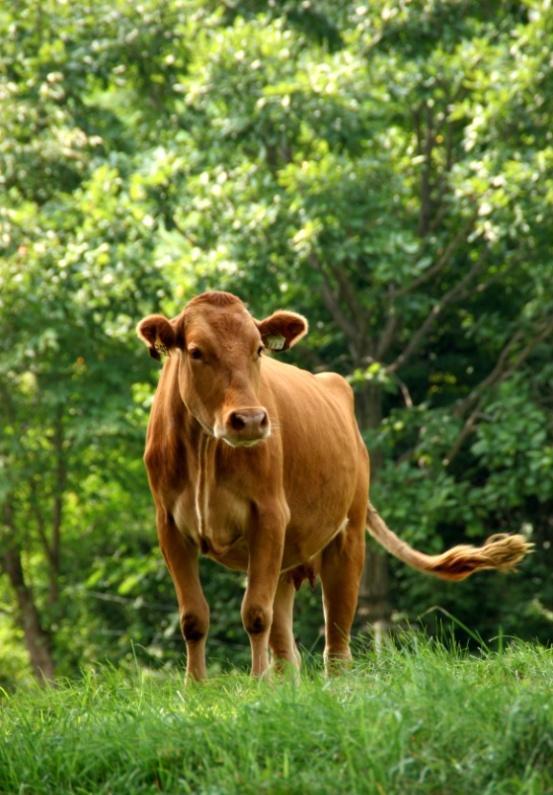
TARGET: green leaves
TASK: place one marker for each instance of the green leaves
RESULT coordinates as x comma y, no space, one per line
384,169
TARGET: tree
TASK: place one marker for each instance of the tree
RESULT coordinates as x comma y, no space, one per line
76,270
386,170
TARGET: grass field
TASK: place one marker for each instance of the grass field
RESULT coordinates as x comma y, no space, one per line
414,719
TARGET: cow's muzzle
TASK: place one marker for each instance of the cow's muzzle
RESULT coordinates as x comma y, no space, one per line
246,426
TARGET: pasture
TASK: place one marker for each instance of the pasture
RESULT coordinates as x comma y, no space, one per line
417,718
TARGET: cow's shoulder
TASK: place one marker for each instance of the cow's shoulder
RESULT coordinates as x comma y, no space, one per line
292,384
336,384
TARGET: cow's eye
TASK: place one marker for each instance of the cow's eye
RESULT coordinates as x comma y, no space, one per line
260,350
196,354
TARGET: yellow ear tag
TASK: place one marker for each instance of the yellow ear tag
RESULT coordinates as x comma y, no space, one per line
158,349
275,342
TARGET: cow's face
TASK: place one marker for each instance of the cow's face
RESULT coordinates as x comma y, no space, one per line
219,347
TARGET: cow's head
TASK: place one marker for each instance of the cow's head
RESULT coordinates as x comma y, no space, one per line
219,346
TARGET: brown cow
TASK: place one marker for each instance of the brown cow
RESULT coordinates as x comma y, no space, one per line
261,466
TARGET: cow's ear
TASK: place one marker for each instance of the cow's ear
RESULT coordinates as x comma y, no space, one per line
282,330
159,334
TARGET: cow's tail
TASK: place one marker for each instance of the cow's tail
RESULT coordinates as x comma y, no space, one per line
500,551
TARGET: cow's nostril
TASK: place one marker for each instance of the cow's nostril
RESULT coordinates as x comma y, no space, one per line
237,422
248,423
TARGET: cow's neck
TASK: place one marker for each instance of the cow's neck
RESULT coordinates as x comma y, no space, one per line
216,535
200,446
195,438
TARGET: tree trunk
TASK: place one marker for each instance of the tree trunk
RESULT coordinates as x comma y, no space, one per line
36,639
54,553
374,602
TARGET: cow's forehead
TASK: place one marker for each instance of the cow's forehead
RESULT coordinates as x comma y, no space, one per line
222,326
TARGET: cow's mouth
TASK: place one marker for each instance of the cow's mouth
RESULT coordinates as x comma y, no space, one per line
238,442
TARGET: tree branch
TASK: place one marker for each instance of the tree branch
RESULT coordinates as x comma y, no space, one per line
403,388
333,306
349,298
466,430
491,378
500,372
443,260
57,517
387,337
447,299
425,184
39,517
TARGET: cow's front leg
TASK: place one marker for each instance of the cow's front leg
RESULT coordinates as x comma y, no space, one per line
181,557
266,544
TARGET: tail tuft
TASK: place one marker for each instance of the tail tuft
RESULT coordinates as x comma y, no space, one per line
501,551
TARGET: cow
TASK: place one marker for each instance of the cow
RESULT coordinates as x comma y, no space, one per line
261,466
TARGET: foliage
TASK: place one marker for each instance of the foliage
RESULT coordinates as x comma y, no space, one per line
384,169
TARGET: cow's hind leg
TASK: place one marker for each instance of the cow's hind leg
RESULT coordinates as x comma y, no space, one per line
341,567
281,637
181,557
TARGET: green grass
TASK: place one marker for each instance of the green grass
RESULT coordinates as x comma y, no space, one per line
414,719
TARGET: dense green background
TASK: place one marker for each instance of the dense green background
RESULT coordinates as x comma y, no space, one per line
384,168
